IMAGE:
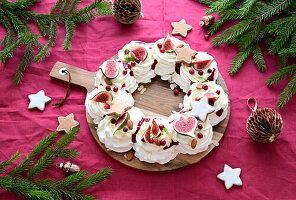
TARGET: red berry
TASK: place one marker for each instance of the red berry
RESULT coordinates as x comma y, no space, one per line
108,88
137,60
151,140
129,66
200,135
200,72
162,142
191,71
133,64
205,87
161,126
189,93
211,102
115,89
123,85
159,45
210,70
218,92
162,50
199,126
131,73
207,37
125,129
107,106
113,121
124,72
176,91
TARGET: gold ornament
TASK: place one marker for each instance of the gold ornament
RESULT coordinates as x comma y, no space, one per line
127,11
264,124
69,167
207,21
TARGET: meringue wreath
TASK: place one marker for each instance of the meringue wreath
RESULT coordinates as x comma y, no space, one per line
121,126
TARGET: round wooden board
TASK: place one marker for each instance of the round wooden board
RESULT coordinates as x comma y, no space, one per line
157,100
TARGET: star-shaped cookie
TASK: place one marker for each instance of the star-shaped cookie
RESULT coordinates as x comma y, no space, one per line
201,108
230,177
181,28
118,109
67,123
184,54
38,100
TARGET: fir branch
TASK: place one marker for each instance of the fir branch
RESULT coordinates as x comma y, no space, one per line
69,153
21,4
282,38
233,14
104,8
93,179
216,25
247,6
70,30
258,58
272,9
18,24
73,6
44,52
69,181
25,62
287,94
276,25
65,6
288,52
282,61
39,148
8,52
232,32
207,2
43,27
7,163
56,7
248,38
239,59
281,75
216,6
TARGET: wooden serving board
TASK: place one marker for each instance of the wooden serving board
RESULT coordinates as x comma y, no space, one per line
157,100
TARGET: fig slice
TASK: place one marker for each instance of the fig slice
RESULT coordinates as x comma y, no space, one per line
168,45
146,135
211,96
155,129
103,97
110,69
201,64
121,121
139,53
186,126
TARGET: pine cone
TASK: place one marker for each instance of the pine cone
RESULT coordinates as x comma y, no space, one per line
127,11
264,125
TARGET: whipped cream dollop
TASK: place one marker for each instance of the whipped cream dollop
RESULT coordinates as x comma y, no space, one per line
166,61
122,81
142,70
220,103
184,79
118,140
96,109
152,153
203,134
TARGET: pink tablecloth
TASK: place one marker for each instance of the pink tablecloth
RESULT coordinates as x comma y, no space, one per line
268,170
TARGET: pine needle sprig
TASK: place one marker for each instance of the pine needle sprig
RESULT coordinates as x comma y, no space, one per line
68,188
270,22
15,16
281,75
258,58
287,94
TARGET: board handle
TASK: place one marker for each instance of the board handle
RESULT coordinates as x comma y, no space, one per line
79,76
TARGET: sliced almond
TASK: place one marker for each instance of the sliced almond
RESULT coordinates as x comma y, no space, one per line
108,81
130,155
130,124
156,141
193,143
199,86
180,46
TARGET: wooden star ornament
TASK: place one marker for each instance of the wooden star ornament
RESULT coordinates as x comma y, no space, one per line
185,54
181,28
67,123
118,109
